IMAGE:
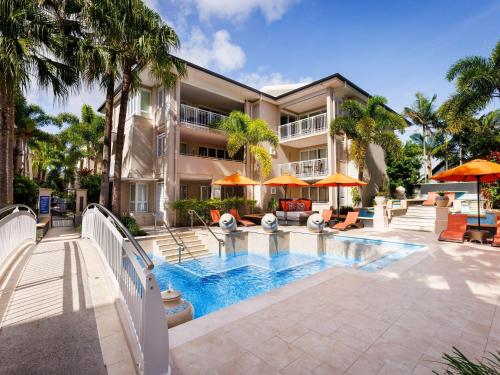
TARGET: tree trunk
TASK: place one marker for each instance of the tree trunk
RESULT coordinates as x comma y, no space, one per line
7,110
120,138
106,153
18,154
424,141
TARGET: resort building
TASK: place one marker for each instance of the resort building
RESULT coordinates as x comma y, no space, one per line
172,150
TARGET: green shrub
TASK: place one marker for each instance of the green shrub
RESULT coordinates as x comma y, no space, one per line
92,183
132,226
182,207
458,364
25,191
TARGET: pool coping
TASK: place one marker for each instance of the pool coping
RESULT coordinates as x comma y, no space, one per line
203,325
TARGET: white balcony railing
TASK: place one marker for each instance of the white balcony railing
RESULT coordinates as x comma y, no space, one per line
199,118
300,128
315,168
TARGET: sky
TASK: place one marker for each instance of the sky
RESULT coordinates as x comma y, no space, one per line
389,48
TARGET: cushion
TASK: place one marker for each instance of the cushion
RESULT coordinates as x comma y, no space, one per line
291,206
300,206
294,215
308,204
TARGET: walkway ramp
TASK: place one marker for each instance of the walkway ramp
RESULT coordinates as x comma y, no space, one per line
57,312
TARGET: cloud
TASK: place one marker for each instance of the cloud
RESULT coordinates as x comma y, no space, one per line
258,80
218,52
238,10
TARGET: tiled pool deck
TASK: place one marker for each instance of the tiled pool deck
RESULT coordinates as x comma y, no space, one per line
396,321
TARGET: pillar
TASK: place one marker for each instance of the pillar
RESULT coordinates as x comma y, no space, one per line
380,219
332,162
441,222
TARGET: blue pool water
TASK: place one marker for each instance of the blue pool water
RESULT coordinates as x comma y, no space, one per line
213,283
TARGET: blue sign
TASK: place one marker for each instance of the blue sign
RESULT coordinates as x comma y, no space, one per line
44,205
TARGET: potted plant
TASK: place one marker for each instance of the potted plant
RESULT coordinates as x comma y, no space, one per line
380,198
442,199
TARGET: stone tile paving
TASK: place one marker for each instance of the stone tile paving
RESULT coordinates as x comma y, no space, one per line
397,321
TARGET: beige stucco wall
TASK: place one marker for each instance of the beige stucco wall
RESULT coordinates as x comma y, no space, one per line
207,168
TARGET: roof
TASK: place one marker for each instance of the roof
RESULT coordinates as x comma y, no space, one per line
260,92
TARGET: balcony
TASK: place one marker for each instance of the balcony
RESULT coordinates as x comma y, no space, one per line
198,167
306,169
199,118
299,129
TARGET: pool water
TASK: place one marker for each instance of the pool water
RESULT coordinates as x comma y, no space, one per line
213,283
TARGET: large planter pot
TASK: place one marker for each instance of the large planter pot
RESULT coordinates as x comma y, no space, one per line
380,200
442,201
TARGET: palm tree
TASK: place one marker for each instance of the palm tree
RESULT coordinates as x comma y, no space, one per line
365,124
145,40
423,114
244,132
477,81
29,118
34,36
98,58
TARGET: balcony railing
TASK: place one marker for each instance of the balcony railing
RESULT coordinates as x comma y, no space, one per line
199,118
306,126
315,168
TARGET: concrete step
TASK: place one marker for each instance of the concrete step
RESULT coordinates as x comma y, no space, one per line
175,249
404,219
415,227
171,241
174,258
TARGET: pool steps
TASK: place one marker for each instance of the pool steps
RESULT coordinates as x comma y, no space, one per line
417,218
166,247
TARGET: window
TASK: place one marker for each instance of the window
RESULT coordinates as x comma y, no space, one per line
161,146
220,154
145,103
132,104
160,97
202,151
316,194
205,192
138,197
183,149
318,153
183,193
212,152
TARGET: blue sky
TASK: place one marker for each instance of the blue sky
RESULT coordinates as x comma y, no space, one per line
389,48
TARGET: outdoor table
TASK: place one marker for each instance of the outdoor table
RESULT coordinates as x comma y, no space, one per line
478,235
254,218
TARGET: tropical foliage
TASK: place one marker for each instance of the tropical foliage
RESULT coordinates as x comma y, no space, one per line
458,363
365,124
477,82
25,191
252,134
404,170
422,113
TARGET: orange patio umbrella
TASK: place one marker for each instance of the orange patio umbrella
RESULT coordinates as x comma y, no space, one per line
338,180
286,181
236,180
476,170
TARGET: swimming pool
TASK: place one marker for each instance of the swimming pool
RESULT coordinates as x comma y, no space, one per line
213,283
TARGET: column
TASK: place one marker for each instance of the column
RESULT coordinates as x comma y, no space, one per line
332,162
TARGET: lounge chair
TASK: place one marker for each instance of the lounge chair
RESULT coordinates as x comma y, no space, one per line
431,199
215,216
327,217
455,232
496,237
245,223
350,221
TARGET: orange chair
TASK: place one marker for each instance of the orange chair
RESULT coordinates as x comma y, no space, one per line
327,216
245,223
351,220
455,232
431,199
215,216
496,237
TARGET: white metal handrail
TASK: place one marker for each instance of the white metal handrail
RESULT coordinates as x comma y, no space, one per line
141,308
306,168
17,227
307,126
200,117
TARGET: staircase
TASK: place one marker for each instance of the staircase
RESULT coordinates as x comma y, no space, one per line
419,218
166,247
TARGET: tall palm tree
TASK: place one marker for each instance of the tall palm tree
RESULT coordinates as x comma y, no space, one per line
145,40
244,132
422,113
34,37
98,58
365,124
477,81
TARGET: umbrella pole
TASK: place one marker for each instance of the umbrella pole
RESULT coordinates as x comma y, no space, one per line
478,203
286,208
338,202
